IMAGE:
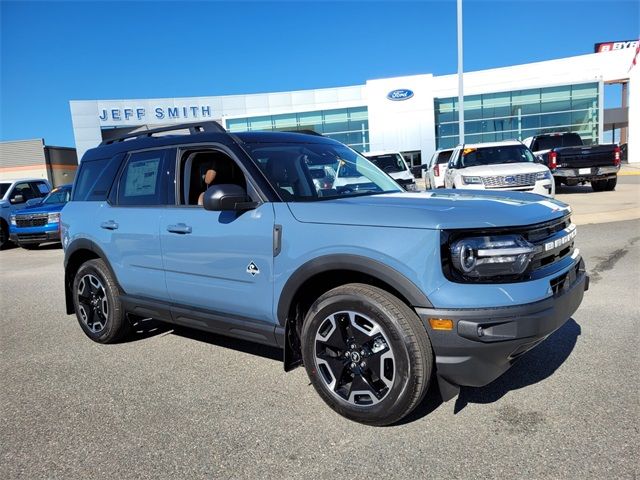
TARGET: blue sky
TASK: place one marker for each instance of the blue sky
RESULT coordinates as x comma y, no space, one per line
53,52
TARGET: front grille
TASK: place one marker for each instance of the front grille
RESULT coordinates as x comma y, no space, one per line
34,220
553,241
501,181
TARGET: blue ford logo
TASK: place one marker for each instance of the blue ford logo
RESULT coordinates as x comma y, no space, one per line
400,94
509,179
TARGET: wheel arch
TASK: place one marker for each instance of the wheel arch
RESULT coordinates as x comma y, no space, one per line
78,252
320,275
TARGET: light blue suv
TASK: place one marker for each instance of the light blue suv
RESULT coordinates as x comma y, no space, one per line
376,291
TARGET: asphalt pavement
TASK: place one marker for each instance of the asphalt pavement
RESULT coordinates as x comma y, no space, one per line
183,404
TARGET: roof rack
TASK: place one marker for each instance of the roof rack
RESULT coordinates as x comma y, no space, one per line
305,132
194,128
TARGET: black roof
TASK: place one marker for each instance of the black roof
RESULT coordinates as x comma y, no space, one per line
203,132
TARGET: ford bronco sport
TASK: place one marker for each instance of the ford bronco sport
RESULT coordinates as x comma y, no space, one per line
376,291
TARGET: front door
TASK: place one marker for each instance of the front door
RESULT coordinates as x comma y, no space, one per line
220,262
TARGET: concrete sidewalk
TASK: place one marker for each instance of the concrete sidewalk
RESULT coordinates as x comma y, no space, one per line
629,169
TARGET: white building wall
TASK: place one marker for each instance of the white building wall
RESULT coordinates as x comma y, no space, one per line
401,125
393,125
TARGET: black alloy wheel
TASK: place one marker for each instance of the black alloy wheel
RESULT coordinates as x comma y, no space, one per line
366,353
97,303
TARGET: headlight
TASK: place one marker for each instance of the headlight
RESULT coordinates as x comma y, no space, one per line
13,220
495,256
53,218
543,175
472,180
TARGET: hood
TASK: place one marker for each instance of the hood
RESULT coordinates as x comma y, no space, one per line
444,209
503,169
50,208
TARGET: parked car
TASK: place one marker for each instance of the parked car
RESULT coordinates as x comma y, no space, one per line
436,168
507,165
14,196
371,289
571,162
394,164
39,221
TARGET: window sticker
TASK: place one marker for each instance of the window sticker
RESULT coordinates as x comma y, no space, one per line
43,187
141,178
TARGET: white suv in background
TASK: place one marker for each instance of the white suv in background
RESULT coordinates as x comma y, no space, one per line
498,166
394,165
436,168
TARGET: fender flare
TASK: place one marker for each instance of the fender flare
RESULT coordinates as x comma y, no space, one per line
355,263
74,246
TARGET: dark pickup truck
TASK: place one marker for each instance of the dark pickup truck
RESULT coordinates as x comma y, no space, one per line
571,162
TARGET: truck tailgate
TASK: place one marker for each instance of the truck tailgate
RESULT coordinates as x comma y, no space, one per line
577,157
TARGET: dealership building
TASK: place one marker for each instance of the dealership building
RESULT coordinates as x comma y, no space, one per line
414,114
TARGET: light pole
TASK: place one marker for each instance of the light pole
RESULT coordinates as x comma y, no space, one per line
460,80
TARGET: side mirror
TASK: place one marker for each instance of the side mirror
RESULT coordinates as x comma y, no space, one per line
17,199
33,202
224,197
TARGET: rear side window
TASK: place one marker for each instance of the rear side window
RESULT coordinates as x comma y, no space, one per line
443,157
141,182
95,178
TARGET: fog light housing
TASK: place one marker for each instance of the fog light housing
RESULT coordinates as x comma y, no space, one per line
492,256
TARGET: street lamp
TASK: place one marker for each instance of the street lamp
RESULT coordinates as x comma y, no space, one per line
460,80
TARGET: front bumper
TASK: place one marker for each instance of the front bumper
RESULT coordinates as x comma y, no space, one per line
48,233
485,342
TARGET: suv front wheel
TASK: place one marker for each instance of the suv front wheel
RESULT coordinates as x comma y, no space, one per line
97,303
366,354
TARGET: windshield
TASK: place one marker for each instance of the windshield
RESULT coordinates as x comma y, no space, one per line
3,188
474,157
319,171
57,196
389,162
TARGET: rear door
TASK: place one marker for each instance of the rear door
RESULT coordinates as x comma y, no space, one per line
129,225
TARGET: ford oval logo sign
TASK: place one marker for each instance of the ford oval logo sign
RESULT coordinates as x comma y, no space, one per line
400,94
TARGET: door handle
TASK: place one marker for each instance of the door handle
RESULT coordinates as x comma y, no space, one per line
109,225
179,228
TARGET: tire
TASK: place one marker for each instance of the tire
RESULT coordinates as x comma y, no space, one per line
610,186
29,246
97,303
4,235
602,185
367,354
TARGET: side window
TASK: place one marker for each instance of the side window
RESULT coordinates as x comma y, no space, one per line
141,182
201,169
21,193
40,188
453,159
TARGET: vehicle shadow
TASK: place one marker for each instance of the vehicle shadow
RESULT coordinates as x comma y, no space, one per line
533,367
244,346
143,328
574,189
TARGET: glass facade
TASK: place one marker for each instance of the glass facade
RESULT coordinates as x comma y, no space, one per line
519,114
347,125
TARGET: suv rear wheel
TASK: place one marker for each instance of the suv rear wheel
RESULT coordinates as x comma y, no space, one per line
367,354
97,304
